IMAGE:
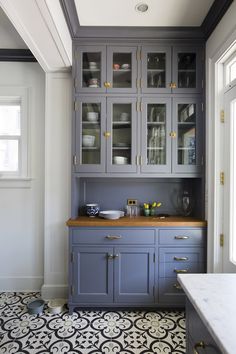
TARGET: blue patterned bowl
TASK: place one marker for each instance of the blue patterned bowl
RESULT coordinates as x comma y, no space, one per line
92,209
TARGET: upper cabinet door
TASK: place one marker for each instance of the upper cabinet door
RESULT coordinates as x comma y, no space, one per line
155,139
156,70
90,75
121,69
187,135
121,135
187,70
90,124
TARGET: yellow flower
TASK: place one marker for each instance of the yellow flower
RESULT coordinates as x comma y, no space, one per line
159,204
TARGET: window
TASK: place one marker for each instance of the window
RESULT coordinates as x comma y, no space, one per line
13,133
230,70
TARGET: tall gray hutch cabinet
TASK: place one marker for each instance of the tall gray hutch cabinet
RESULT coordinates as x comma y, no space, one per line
137,132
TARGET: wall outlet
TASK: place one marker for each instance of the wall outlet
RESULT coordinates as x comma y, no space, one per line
132,201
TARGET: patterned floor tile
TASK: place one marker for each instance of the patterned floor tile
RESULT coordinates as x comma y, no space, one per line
87,332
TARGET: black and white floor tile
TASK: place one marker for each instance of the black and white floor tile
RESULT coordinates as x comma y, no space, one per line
88,332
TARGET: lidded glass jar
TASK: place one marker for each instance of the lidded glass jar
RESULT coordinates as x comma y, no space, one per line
185,203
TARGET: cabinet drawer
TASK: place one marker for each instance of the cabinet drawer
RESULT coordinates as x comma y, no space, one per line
177,255
170,292
113,236
170,270
182,237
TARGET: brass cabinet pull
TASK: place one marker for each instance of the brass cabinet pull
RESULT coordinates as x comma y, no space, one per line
111,237
107,84
173,134
107,134
181,258
181,237
177,286
181,270
198,345
110,256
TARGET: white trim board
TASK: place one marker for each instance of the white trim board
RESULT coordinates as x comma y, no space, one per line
214,153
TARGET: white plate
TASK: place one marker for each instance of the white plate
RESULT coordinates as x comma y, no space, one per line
111,214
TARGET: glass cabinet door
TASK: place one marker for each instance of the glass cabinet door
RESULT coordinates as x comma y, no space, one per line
187,70
121,69
91,69
156,69
90,143
186,135
122,131
156,125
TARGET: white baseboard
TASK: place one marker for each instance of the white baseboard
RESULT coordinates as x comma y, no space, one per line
23,284
54,291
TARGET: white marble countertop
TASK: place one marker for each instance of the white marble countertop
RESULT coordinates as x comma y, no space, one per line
214,298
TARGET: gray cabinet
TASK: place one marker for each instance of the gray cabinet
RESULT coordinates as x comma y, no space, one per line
156,69
187,69
105,69
171,135
180,251
105,134
199,340
132,266
111,266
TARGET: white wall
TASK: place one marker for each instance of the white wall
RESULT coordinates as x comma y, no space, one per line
9,37
22,203
222,37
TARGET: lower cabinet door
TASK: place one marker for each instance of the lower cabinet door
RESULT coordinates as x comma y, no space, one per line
92,275
134,275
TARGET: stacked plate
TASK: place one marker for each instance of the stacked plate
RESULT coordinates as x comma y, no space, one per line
111,214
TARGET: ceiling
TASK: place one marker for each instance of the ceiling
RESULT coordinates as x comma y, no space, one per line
166,13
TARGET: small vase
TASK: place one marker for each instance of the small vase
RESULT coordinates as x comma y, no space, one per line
152,212
146,212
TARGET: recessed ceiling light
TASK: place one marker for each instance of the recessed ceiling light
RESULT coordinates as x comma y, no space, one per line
141,7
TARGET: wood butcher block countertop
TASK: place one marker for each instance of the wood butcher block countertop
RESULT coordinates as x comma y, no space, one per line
149,221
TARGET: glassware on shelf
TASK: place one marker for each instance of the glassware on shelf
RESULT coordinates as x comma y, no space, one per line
185,203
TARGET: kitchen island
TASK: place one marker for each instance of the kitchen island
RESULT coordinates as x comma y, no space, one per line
210,312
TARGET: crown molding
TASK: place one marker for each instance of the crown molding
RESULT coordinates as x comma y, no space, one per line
214,15
23,55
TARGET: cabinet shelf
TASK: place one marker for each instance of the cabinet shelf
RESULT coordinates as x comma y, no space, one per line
155,148
121,70
121,147
156,123
91,70
90,148
156,70
186,148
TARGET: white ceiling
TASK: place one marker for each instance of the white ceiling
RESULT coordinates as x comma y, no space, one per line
160,12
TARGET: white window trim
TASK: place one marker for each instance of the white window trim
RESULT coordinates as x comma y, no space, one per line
22,177
214,132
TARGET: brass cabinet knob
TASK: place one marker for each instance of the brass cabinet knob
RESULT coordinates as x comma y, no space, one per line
172,85
181,237
116,256
173,134
113,237
110,256
180,258
198,345
181,271
107,134
107,84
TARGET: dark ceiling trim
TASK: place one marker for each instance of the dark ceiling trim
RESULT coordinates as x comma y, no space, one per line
23,55
214,15
70,13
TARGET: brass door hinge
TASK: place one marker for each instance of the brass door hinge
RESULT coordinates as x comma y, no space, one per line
221,240
138,106
222,116
222,178
75,160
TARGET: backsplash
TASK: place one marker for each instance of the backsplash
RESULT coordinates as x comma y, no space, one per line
112,193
